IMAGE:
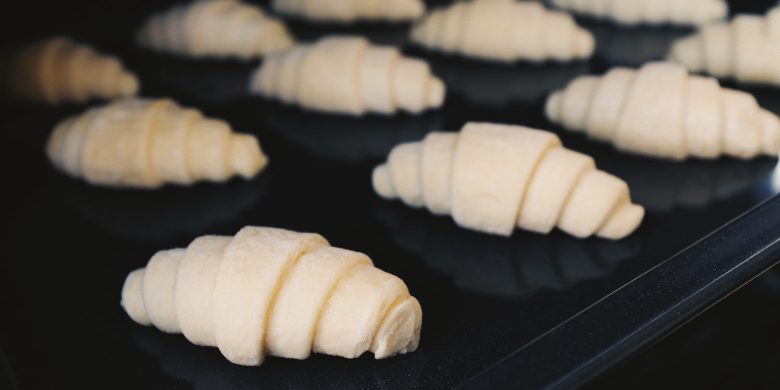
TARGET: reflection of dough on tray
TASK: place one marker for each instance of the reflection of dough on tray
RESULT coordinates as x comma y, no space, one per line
167,214
214,28
633,46
146,143
662,186
340,138
659,110
746,48
60,70
498,85
493,178
268,291
349,75
516,267
634,12
504,30
349,11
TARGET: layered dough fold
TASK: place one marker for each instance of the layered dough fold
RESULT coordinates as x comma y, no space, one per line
348,75
747,48
636,12
660,110
349,11
214,28
493,178
268,291
504,30
147,143
60,70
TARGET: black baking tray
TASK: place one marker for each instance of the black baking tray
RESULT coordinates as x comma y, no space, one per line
522,312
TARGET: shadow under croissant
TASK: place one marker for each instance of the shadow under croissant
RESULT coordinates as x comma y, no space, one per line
166,213
202,80
518,266
205,368
378,32
344,138
632,46
498,85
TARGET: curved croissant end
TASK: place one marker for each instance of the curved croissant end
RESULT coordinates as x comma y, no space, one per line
635,12
349,11
60,70
746,48
215,28
146,143
270,291
661,111
489,29
492,178
348,75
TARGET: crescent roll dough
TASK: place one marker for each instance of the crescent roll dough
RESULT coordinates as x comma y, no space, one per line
659,110
146,143
746,48
60,70
349,11
493,178
635,12
348,75
504,30
268,291
215,28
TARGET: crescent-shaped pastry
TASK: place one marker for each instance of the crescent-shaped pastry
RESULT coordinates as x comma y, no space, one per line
349,11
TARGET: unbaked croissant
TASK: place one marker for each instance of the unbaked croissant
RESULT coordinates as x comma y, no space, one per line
746,48
661,111
146,143
348,11
504,30
493,178
344,74
269,291
60,70
215,28
634,12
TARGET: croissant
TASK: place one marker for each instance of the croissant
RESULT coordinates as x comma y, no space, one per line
661,111
635,12
270,291
215,28
489,29
343,74
747,48
58,70
492,177
348,11
145,143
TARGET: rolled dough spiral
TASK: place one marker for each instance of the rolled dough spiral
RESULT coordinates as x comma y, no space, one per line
636,12
146,143
659,110
215,28
504,30
349,11
747,48
60,70
348,75
493,178
268,291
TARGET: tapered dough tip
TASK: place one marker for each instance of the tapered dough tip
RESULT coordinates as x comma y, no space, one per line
436,92
132,298
383,184
399,332
552,108
247,157
687,52
585,43
416,9
712,10
622,222
770,124
127,85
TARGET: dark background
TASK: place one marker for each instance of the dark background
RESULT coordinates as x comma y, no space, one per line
68,246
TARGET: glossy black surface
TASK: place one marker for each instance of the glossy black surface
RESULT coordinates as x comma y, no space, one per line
68,246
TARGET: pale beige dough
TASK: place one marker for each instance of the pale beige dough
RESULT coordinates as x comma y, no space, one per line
350,11
653,12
